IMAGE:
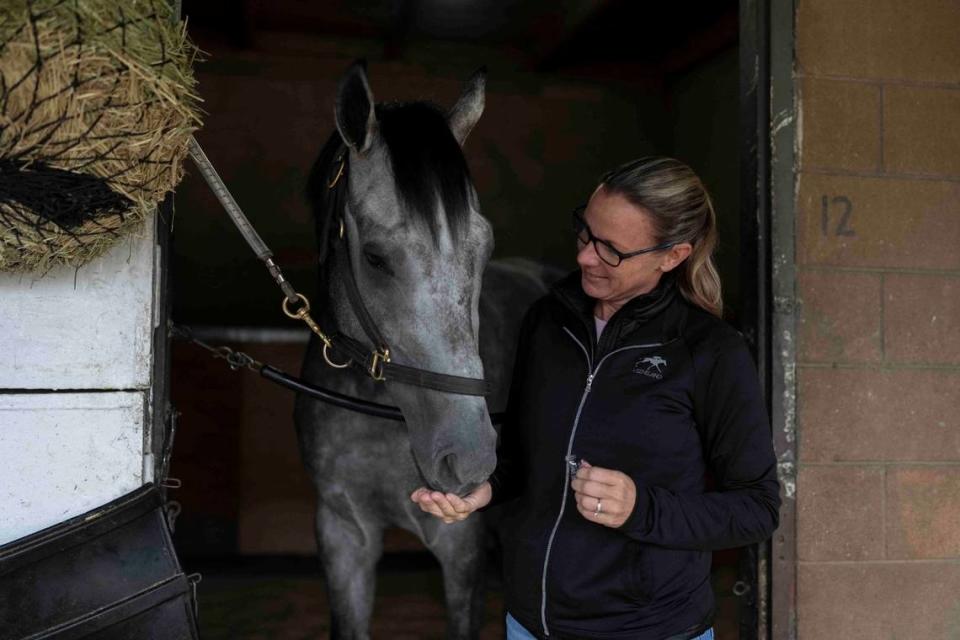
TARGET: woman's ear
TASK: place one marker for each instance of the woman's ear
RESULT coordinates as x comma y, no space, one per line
674,256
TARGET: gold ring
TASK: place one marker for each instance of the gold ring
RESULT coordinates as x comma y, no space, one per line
326,356
336,179
599,508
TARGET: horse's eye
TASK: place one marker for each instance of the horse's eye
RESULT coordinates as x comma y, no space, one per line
376,261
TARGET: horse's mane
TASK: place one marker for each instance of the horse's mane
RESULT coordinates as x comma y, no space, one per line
428,168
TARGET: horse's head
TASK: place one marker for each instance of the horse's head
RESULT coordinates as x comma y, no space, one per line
417,246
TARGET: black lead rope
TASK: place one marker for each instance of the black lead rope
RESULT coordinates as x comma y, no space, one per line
331,397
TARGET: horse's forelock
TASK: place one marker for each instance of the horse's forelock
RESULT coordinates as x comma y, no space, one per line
428,164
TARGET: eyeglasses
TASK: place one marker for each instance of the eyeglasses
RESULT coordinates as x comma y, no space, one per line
605,250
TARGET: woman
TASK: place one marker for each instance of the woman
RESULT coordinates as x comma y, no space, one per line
627,391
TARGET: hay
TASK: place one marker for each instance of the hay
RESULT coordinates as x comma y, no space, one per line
97,105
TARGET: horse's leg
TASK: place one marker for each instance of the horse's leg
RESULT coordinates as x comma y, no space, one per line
349,550
459,548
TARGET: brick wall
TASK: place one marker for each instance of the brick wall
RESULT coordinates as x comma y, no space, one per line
878,269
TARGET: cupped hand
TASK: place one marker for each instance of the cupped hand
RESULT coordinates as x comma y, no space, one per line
614,490
450,507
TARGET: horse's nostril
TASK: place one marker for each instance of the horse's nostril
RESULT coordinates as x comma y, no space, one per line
448,466
461,473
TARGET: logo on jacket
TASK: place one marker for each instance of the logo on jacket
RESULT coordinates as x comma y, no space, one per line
651,367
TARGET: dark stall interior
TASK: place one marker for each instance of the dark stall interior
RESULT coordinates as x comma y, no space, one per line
574,88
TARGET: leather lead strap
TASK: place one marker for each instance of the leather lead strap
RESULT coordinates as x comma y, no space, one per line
233,210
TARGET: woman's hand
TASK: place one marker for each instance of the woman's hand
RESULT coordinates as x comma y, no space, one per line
604,496
450,507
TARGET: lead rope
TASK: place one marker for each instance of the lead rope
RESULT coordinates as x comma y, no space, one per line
291,296
243,224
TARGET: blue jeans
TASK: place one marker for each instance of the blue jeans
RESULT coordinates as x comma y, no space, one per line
516,631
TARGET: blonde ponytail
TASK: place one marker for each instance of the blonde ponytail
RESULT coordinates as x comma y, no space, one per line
681,211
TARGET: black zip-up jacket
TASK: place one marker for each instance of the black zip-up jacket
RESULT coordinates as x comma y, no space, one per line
668,395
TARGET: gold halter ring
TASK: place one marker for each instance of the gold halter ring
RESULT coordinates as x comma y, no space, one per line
326,356
336,178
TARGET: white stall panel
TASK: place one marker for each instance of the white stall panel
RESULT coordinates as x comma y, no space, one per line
81,329
64,454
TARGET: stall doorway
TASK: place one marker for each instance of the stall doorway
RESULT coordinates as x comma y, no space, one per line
574,89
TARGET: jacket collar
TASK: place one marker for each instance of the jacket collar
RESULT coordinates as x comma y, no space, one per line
653,316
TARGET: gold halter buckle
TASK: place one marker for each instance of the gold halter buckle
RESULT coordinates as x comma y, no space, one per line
376,365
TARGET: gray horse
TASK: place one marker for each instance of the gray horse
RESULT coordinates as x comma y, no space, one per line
415,243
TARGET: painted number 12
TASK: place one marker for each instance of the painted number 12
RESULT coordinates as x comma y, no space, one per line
843,208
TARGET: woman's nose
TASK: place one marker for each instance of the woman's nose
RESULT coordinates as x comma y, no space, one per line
587,256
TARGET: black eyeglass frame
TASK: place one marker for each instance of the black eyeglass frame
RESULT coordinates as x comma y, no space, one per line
580,224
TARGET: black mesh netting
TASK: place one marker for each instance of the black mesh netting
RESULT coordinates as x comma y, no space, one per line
97,104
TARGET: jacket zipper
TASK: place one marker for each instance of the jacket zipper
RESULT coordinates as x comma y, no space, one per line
591,374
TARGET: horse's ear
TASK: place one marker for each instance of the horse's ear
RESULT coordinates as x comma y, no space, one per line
354,109
469,107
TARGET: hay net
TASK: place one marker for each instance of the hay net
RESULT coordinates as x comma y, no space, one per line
97,104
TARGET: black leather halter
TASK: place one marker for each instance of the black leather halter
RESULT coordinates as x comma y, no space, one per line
376,362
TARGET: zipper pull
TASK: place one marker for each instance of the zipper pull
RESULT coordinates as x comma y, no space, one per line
589,381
